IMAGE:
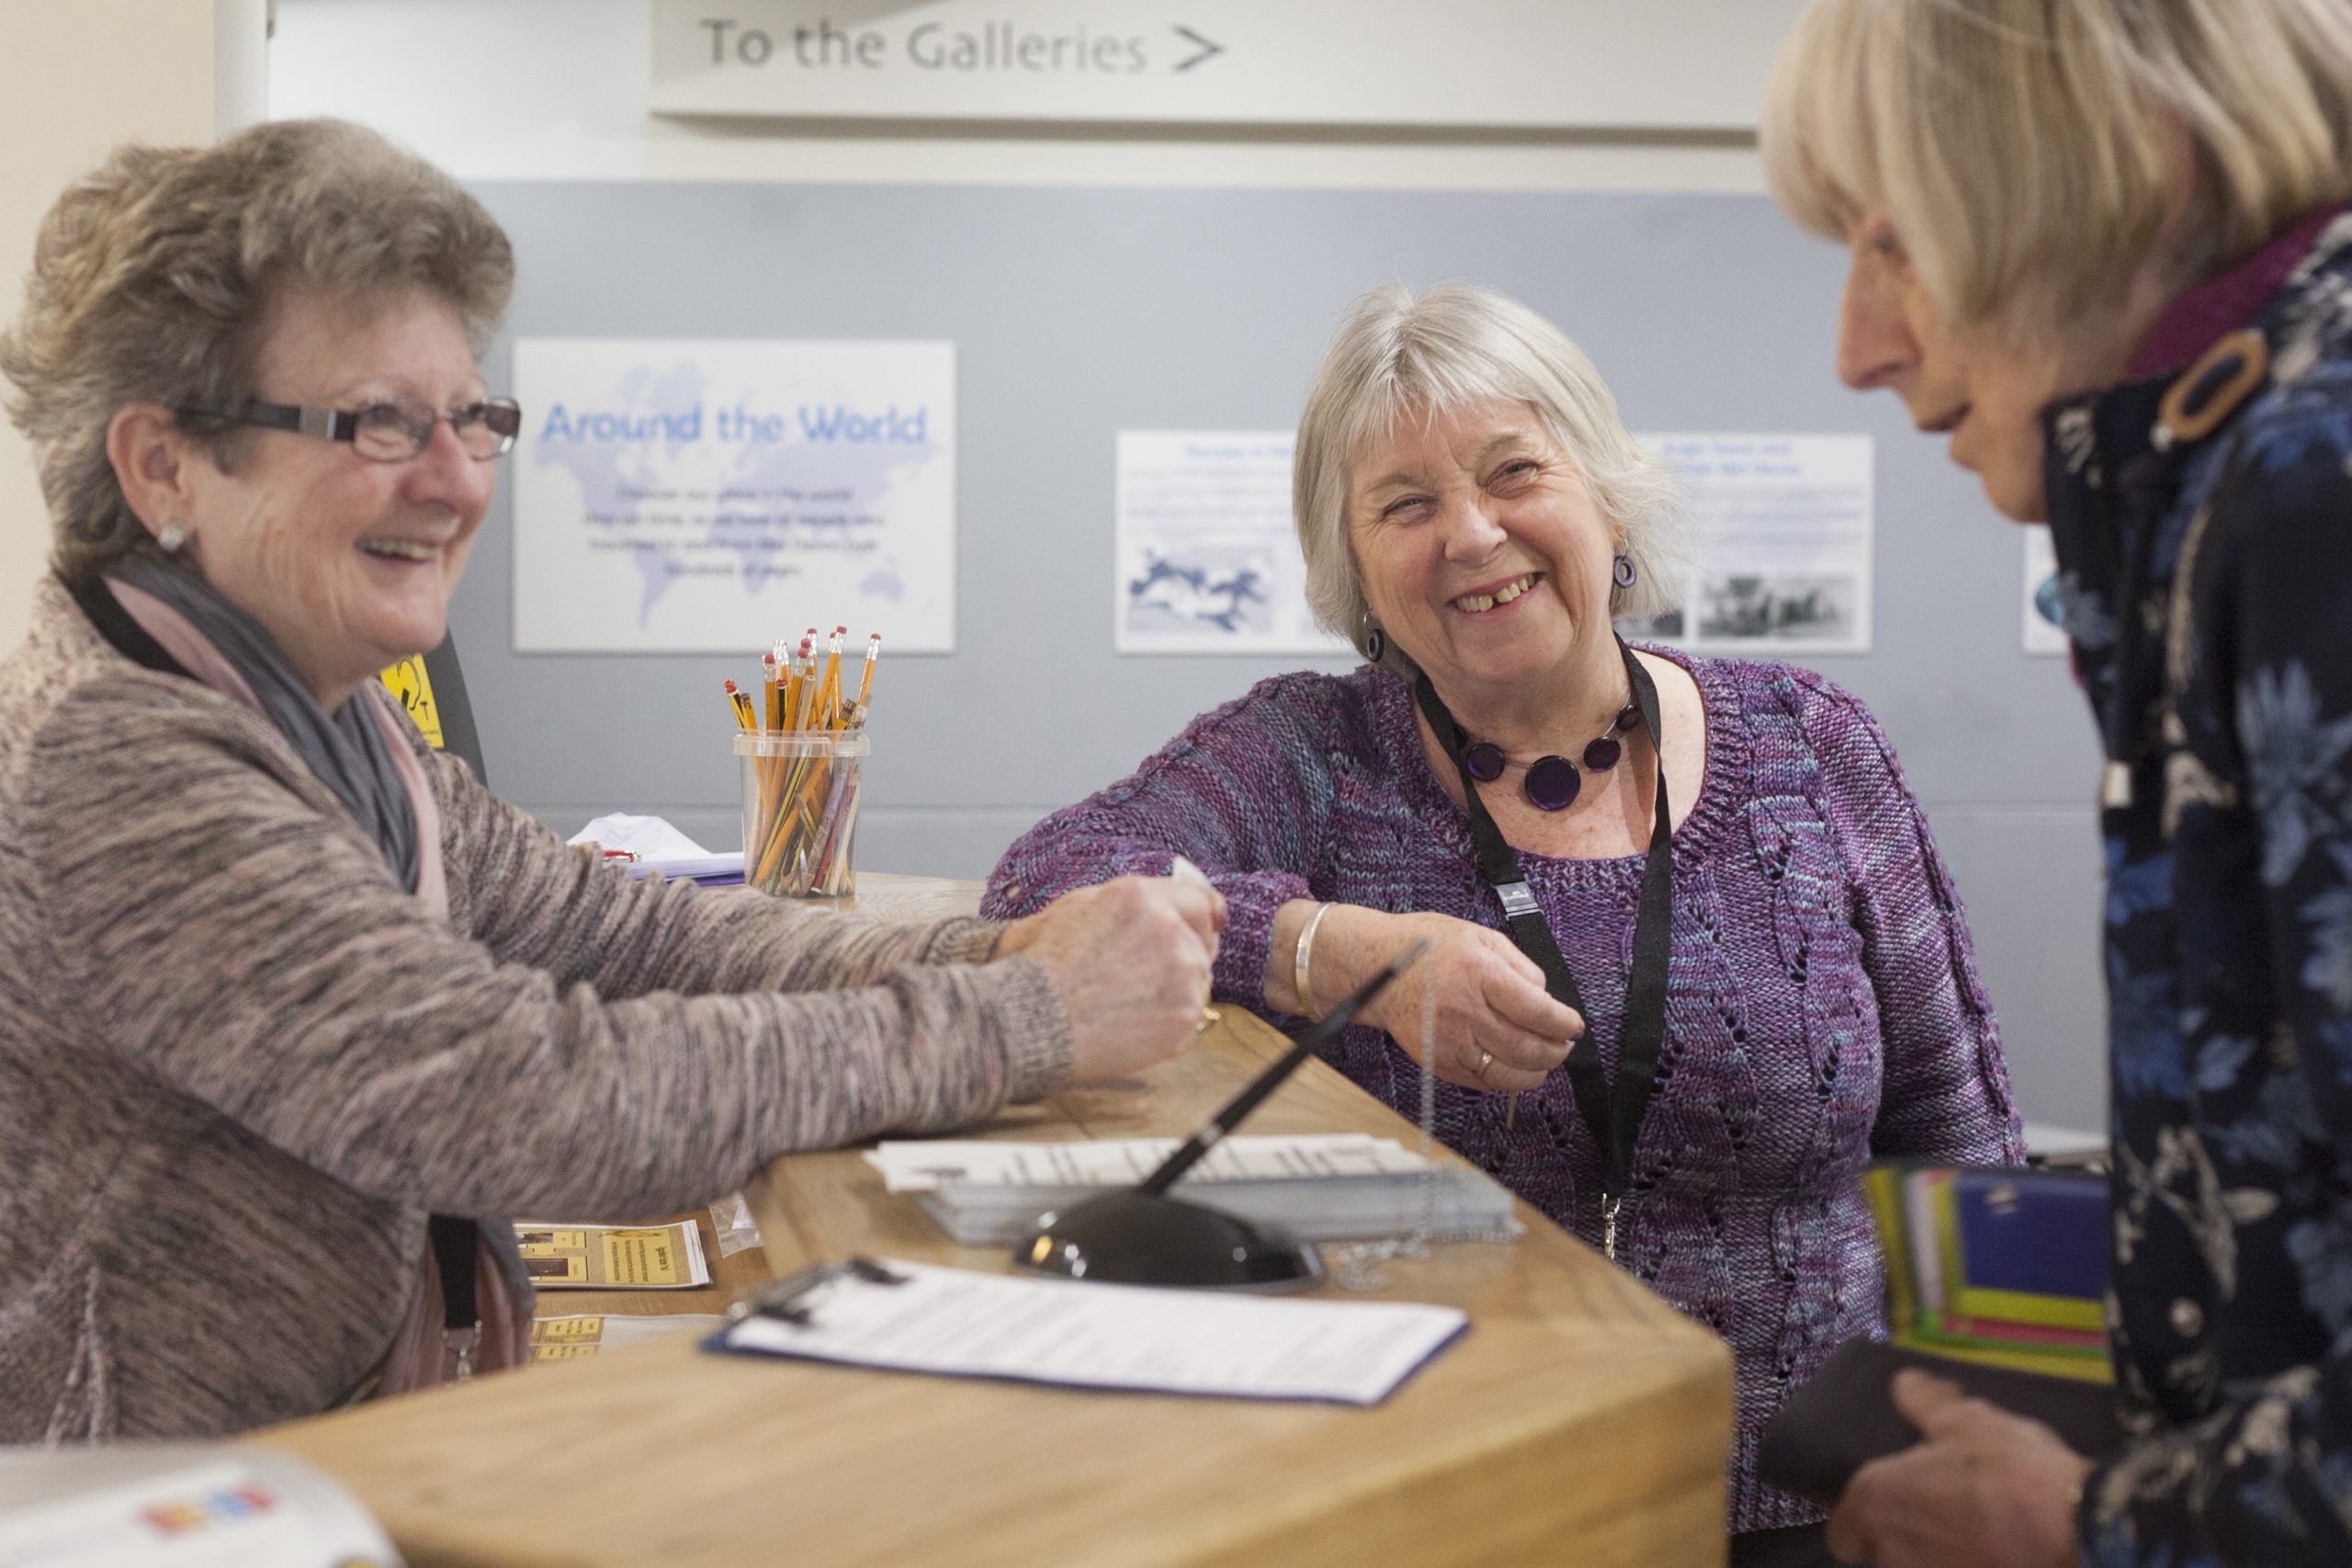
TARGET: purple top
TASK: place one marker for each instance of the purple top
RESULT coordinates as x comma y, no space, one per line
1823,1006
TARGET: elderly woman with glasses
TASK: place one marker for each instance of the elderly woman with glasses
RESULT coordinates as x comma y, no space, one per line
292,1010
2105,246
1696,959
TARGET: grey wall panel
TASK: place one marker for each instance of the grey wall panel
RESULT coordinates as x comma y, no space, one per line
1078,312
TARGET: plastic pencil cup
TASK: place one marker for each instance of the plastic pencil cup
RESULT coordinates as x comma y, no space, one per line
801,790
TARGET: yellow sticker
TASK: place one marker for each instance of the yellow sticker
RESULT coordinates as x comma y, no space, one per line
642,1257
409,682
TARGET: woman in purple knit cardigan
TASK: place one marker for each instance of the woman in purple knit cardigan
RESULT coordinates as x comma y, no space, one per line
1472,509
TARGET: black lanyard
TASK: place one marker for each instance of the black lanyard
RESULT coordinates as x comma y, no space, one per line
1612,1113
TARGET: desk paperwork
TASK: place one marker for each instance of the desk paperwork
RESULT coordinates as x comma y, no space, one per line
583,1334
1326,1187
959,1323
611,1258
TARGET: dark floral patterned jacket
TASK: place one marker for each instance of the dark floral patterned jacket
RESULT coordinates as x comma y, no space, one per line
2203,524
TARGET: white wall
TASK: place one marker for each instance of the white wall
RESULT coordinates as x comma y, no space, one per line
554,89
74,80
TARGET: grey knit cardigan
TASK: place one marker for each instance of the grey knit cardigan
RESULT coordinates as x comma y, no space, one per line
240,1064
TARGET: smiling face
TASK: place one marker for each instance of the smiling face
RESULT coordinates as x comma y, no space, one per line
1988,397
348,563
1482,552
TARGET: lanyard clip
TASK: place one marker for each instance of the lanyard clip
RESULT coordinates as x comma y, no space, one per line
462,1343
1519,900
1609,1207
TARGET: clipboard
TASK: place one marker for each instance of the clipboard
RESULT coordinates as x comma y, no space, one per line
914,1317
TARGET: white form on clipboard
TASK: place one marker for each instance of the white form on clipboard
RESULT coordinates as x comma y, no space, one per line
958,1322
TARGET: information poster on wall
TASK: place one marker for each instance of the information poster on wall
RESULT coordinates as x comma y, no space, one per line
690,497
2045,612
1205,558
1780,527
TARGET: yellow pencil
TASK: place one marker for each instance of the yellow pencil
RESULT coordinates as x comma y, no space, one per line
741,705
865,681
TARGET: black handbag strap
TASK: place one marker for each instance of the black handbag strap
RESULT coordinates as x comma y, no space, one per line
455,1249
1612,1113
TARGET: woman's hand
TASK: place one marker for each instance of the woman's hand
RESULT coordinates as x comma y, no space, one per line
1131,959
1984,1489
1497,1028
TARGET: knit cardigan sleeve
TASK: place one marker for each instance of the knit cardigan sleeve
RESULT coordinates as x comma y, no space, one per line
219,920
534,899
1945,1092
1245,793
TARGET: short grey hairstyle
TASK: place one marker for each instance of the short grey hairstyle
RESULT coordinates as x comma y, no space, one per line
1397,357
152,278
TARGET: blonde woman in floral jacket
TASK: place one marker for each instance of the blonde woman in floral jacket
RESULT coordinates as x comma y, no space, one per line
2103,245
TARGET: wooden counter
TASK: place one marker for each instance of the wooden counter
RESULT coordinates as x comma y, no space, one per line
1581,1420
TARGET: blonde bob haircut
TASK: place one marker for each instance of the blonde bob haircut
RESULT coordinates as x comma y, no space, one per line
2027,152
153,275
1397,358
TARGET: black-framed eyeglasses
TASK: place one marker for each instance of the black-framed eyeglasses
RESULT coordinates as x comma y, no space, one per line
390,430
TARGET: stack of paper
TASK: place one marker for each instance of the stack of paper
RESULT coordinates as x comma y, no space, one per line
1322,1188
657,849
611,1258
2008,1267
572,1338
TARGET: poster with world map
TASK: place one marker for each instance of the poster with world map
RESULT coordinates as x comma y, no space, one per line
697,497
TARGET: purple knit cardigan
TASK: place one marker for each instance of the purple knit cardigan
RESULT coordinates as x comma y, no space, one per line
1823,1006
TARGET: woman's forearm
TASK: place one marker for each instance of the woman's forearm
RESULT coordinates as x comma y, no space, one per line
1350,942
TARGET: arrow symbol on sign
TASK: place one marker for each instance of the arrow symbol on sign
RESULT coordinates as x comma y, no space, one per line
1207,48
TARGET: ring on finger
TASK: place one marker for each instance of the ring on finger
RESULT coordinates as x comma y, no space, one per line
1486,1060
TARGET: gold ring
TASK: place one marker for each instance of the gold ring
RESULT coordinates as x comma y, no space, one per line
1486,1060
1208,1016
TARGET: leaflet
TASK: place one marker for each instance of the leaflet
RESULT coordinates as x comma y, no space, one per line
575,1339
611,1258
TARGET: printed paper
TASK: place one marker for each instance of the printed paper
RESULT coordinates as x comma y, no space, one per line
1781,527
682,496
1206,560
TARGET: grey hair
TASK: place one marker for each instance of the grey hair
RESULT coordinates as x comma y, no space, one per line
1397,357
152,277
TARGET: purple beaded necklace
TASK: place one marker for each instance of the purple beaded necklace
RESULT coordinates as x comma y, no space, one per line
1553,782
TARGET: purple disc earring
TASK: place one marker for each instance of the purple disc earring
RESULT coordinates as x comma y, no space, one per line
1375,643
1622,571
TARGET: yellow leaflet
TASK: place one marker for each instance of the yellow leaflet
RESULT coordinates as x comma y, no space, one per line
409,682
642,1257
547,1329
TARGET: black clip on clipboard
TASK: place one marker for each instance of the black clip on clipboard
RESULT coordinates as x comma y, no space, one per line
782,1298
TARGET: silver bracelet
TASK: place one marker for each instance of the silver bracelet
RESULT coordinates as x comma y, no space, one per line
1299,958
